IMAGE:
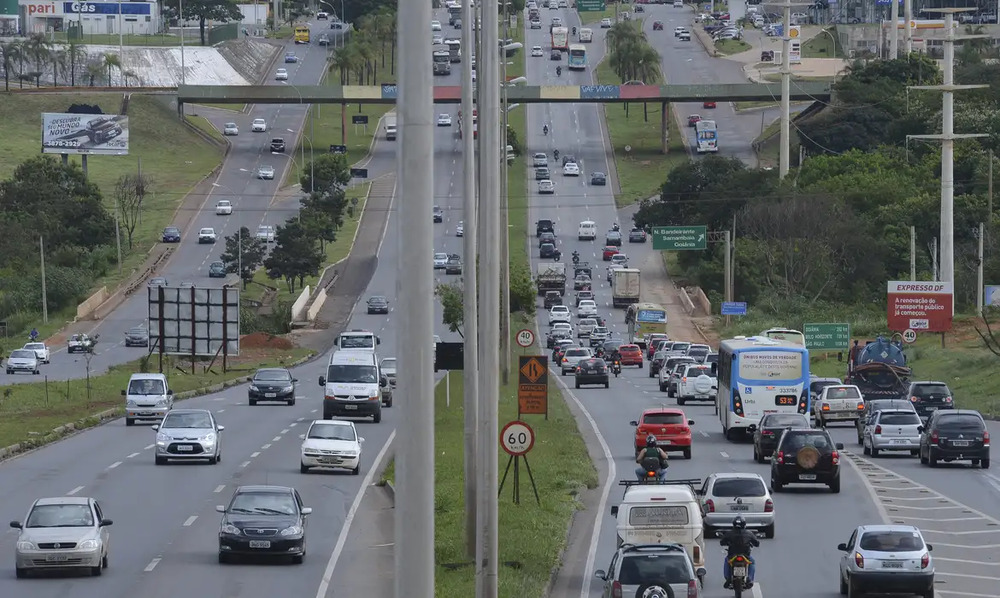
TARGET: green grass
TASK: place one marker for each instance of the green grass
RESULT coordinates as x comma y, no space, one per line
202,124
230,107
752,105
822,46
731,46
592,18
31,411
105,39
641,171
770,145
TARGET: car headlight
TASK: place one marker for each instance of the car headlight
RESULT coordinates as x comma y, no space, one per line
294,530
26,546
130,403
288,388
372,395
161,403
230,529
209,438
162,438
351,454
254,388
88,545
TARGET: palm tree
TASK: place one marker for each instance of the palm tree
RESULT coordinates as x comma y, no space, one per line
58,60
111,62
76,55
390,32
38,49
95,69
9,53
342,61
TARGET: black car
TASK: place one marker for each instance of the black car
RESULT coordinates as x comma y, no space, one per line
217,270
378,305
438,214
955,435
592,371
568,158
582,283
598,179
278,145
873,406
272,384
637,235
542,174
546,238
544,226
769,428
552,298
928,397
454,265
584,296
137,337
806,457
263,520
555,55
547,250
157,281
613,238
556,335
171,234
656,362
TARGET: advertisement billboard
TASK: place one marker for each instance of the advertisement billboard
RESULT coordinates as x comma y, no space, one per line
92,134
770,365
923,306
991,295
192,321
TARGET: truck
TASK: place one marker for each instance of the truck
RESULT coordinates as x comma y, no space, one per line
454,49
560,38
586,35
878,368
551,277
390,128
624,287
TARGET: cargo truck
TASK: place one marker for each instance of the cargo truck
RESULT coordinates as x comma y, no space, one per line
551,277
624,287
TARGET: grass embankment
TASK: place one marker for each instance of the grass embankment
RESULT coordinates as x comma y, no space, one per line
29,412
203,125
112,39
752,105
642,170
729,47
594,17
229,107
823,45
768,144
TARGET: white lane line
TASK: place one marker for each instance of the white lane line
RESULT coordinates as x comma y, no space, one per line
74,491
254,455
220,488
302,419
244,464
219,399
190,520
292,425
114,465
265,447
756,591
132,455
314,411
724,454
152,565
302,436
276,439
147,447
338,548
285,431
219,410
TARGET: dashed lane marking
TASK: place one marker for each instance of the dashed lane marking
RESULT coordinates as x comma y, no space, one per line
152,565
114,465
74,491
724,454
220,488
190,520
254,455
132,455
265,447
276,439
244,464
285,431
147,447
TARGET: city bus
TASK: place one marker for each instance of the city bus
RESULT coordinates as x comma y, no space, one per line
759,375
301,34
706,136
454,49
644,319
785,334
560,38
577,57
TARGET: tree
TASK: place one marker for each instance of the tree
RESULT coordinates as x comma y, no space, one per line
57,59
76,55
110,62
294,256
37,47
243,249
204,11
452,301
10,53
294,9
130,190
331,172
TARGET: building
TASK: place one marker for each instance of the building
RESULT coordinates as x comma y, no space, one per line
95,17
10,18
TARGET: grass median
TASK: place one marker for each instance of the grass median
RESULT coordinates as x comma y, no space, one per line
728,47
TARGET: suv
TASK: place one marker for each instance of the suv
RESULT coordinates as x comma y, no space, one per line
639,569
806,457
278,145
668,369
544,226
552,298
928,397
697,383
675,367
874,406
955,435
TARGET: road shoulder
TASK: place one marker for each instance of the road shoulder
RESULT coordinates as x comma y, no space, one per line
367,565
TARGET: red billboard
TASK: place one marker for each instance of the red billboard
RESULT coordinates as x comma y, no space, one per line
922,306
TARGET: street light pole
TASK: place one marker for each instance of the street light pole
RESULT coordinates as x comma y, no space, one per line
180,22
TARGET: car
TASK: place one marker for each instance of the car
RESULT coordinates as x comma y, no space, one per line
22,360
437,40
726,496
259,125
708,105
583,296
639,8
567,158
929,396
536,24
607,253
955,435
157,281
546,187
563,4
187,285
460,229
656,362
322,16
675,367
217,269
677,30
547,251
872,406
291,58
444,120
657,25
767,431
388,368
886,558
230,129
378,304
586,308
323,40
137,336
536,51
605,23
333,444
551,298
438,215
582,282
598,335
281,75
171,234
435,25
670,427
571,169
592,371
265,173
892,430
555,55
559,313
573,356
836,403
277,145
339,26
224,207
806,457
560,345
74,522
272,385
639,569
544,225
613,237
206,235
539,160
542,173
188,434
265,233
598,179
653,342
699,352
263,521
457,24
619,259
440,261
679,348
697,383
41,351
684,36
631,355
637,235
454,265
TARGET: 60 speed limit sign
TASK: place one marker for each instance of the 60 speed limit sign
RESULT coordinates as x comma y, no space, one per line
517,438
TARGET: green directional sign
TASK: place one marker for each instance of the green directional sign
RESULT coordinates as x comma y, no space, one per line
680,238
590,5
827,337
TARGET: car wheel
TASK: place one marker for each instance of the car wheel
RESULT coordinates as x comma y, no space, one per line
651,373
578,384
327,415
835,485
303,468
931,458
104,562
776,486
681,401
687,453
389,402
223,558
377,418
20,573
160,461
128,421
864,449
663,388
923,459
298,558
843,586
985,463
607,385
769,531
96,571
253,402
873,451
291,402
356,470
853,589
757,456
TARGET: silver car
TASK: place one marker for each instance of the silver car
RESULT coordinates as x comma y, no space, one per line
892,430
22,360
388,368
67,532
265,173
886,558
188,434
726,496
230,129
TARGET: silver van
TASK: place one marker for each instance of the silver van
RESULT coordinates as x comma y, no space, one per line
147,398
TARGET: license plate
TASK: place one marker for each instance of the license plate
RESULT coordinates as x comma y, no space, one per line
350,407
899,441
739,571
931,408
185,448
739,507
260,543
57,558
807,476
665,441
331,460
891,565
960,443
145,413
270,395
701,396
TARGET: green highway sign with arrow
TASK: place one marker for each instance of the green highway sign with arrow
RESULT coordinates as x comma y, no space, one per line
680,238
590,5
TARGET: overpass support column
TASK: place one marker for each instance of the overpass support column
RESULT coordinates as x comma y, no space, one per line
665,128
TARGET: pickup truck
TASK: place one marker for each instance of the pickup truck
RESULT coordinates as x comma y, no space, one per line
842,402
80,343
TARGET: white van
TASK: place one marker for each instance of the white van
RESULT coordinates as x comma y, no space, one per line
353,385
587,231
147,398
357,340
661,514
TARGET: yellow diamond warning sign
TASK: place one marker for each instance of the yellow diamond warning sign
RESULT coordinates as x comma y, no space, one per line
533,385
532,369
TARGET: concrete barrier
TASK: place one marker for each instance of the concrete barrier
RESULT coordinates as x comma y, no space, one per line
686,301
300,305
317,305
91,304
701,302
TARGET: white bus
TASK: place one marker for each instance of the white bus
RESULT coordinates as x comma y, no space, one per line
758,375
577,57
454,49
785,334
706,136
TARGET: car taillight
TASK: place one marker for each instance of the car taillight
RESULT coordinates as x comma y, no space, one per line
709,506
836,457
697,553
767,433
579,369
769,506
859,560
684,379
692,589
934,437
986,437
914,399
947,399
861,406
825,407
878,429
616,590
737,404
925,560
781,457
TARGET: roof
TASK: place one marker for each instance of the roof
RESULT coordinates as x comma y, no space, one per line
888,528
333,422
183,411
759,342
929,382
148,376
736,475
263,488
668,491
663,410
64,500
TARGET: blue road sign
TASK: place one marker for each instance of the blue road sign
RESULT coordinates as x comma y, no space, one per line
734,308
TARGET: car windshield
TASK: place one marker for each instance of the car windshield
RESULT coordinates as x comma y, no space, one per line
741,487
207,231
272,376
698,351
440,256
34,346
843,393
360,341
960,422
60,516
659,356
892,541
22,354
186,420
638,570
899,418
137,331
781,421
663,418
332,432
577,353
931,390
377,300
698,371
388,364
352,374
171,231
146,387
680,347
267,503
800,441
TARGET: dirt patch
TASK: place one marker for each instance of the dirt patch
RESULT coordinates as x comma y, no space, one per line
262,340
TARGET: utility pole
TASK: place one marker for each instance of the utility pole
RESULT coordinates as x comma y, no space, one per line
414,513
894,38
934,260
180,22
907,30
989,192
239,255
504,216
470,309
118,234
913,253
727,269
45,300
786,87
979,270
948,137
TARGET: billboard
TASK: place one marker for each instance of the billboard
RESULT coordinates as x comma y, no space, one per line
92,134
770,365
991,295
192,321
923,306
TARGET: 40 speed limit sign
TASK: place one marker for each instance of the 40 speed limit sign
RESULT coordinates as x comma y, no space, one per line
517,438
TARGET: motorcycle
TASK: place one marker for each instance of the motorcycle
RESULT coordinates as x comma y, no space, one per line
545,130
740,566
557,256
576,258
616,368
555,154
653,475
558,71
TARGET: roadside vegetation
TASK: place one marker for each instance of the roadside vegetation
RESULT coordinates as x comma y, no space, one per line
729,47
823,45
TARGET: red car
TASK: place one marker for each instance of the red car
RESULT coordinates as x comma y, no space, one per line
631,355
657,25
708,105
652,341
694,119
610,250
670,427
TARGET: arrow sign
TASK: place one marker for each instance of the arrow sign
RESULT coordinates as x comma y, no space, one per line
680,238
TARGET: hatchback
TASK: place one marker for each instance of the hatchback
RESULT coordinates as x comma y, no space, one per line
171,234
668,425
726,496
928,397
281,75
586,308
542,173
65,532
592,371
572,357
559,313
598,179
331,444
955,435
259,125
539,160
886,558
230,129
546,187
265,173
639,569
609,251
206,235
22,360
224,207
631,355
889,430
188,434
767,431
656,362
875,405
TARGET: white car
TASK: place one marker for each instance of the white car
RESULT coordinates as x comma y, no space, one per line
224,207
546,187
230,129
206,235
536,51
571,357
437,40
22,360
266,173
605,23
697,383
435,25
331,443
619,259
539,160
444,120
564,326
612,269
586,309
460,229
571,169
41,351
585,326
281,75
726,496
52,525
440,261
259,125
678,30
265,233
535,24
559,313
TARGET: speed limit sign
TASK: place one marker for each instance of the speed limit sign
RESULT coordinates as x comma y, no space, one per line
517,438
910,336
525,338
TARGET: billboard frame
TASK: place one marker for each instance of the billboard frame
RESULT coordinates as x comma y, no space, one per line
194,322
68,128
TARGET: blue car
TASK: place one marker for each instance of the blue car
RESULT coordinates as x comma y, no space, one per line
171,234
290,57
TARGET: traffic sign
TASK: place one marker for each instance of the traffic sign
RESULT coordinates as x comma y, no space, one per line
590,5
920,305
680,238
359,119
827,337
338,149
359,173
517,438
525,337
533,385
910,336
734,308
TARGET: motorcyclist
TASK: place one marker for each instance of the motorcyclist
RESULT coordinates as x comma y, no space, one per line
616,228
651,458
576,256
555,154
557,255
33,335
739,542
558,71
545,129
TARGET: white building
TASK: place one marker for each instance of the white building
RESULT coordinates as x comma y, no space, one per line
95,17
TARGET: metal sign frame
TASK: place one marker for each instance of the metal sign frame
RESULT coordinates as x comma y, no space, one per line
196,322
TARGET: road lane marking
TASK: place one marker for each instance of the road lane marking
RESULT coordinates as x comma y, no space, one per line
302,436
219,410
938,558
293,424
152,565
285,431
190,520
114,465
244,464
314,411
724,454
302,419
220,488
147,447
703,433
265,447
74,491
254,455
132,455
276,439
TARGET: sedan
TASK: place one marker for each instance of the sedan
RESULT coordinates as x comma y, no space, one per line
157,281
586,309
378,304
536,24
598,179
259,125
555,55
539,160
331,443
571,169
592,371
230,129
41,351
265,233
605,23
892,430
291,58
281,75
708,104
206,235
693,119
171,234
22,360
541,173
546,187
266,173
460,229
444,120
558,313
272,384
188,434
137,336
437,40
435,25
224,208
217,269
886,558
263,520
608,252
726,496
613,237
75,522
440,261
766,432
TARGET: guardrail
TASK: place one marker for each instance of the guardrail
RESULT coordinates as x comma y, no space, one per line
145,274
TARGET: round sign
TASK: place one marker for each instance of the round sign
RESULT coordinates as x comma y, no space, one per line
628,148
525,337
793,32
517,438
910,336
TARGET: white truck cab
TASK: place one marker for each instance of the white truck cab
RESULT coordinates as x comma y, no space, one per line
587,231
357,340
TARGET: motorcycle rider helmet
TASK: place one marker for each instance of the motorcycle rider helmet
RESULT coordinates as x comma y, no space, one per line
651,441
739,523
